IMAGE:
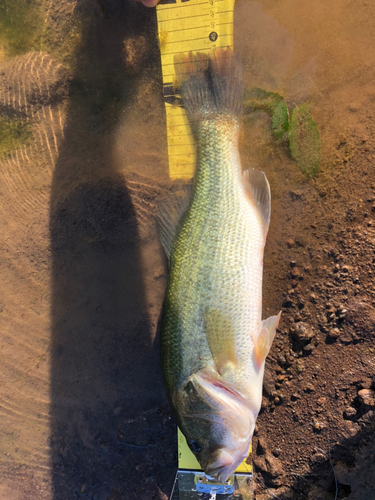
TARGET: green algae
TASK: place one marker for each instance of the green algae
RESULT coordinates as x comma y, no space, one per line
295,126
259,99
304,140
280,121
14,133
27,25
20,26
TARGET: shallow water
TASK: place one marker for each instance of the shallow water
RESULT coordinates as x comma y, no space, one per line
82,405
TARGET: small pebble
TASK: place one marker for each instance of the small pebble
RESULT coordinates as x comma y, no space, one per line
367,397
83,489
349,412
302,332
300,366
309,388
319,426
308,349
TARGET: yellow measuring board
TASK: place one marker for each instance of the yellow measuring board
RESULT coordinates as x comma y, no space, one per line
187,460
183,26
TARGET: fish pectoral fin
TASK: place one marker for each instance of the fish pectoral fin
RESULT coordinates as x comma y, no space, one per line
258,191
262,344
271,324
261,347
221,339
170,212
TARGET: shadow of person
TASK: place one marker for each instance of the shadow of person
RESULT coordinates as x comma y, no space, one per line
105,375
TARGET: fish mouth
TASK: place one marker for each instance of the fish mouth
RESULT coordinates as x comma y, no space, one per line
221,464
221,474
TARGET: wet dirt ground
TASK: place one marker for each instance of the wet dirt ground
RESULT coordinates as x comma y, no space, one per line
82,407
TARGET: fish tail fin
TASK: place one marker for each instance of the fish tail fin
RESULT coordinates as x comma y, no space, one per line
210,84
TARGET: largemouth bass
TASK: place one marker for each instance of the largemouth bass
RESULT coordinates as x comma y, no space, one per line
213,341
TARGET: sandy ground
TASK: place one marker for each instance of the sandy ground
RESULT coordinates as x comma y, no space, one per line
82,407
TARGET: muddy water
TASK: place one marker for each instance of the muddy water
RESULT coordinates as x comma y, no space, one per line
82,407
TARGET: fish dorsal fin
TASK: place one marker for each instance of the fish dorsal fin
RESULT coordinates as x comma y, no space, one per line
221,339
169,215
262,343
258,190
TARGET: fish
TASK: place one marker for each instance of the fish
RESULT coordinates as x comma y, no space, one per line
213,340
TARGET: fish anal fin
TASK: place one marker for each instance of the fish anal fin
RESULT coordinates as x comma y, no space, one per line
258,191
170,213
221,339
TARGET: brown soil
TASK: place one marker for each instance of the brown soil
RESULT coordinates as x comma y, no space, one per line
82,406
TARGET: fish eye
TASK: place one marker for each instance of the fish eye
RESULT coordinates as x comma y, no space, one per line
194,446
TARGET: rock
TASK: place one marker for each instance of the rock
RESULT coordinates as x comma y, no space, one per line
260,463
368,418
309,388
161,494
262,446
302,332
351,429
319,426
274,467
83,489
333,334
301,304
281,360
367,397
361,316
290,243
365,383
268,382
295,272
308,349
349,412
288,301
300,365
346,338
265,402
